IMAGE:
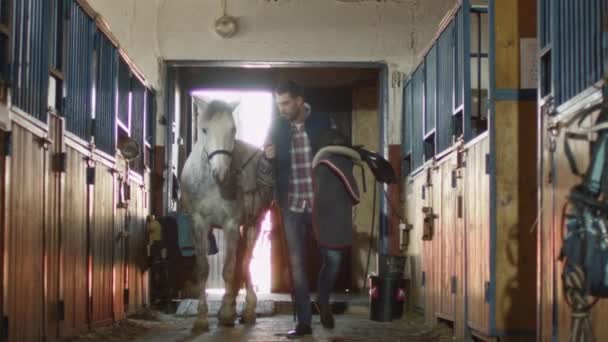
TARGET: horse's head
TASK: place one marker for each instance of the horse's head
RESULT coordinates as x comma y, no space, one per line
216,131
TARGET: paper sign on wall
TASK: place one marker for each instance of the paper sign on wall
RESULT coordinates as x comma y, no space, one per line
528,67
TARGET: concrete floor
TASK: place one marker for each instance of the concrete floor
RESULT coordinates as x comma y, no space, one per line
349,327
352,324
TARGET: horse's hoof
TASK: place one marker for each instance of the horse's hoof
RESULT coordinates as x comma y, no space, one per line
227,316
248,318
200,326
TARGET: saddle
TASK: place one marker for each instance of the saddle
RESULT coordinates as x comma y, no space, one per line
251,179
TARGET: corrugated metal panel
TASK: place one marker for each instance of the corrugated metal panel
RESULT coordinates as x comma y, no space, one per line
124,87
25,238
102,241
105,104
30,57
138,120
445,91
430,94
576,44
79,72
407,118
74,240
417,116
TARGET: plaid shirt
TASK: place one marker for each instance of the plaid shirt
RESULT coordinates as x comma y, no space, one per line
300,182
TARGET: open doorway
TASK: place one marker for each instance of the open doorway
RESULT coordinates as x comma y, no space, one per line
350,93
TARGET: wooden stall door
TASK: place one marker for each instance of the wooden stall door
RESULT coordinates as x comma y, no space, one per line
102,245
74,241
136,250
25,237
447,221
477,230
120,262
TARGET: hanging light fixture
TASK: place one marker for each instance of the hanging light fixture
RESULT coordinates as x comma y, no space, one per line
225,26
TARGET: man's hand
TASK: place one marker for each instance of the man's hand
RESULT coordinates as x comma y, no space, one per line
269,152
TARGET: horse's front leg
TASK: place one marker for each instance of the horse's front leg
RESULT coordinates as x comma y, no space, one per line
200,232
227,313
251,299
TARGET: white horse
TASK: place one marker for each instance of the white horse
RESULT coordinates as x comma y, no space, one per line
221,187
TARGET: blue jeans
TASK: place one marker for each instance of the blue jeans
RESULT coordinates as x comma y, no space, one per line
297,231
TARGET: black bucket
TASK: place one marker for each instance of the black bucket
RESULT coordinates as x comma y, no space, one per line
387,298
391,265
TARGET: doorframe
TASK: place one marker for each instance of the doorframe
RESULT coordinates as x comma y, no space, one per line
169,67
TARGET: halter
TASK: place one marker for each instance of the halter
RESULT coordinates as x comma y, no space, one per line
216,152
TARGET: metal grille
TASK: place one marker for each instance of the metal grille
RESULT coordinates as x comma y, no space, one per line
417,116
430,94
150,116
407,119
545,22
30,57
105,105
79,72
445,90
572,31
5,14
124,87
58,15
138,120
458,43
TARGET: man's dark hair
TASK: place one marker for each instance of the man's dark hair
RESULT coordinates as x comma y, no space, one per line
291,88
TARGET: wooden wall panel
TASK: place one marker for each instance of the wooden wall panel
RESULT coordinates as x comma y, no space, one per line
74,241
477,222
459,250
102,244
136,250
554,194
25,237
516,204
120,264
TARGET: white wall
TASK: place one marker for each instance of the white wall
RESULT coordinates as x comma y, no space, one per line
394,32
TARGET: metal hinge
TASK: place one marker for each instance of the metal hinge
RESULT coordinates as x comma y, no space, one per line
454,280
61,310
487,163
487,291
4,332
423,192
125,297
453,178
423,280
8,143
60,162
90,175
460,206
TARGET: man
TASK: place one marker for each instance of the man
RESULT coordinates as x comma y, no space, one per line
294,140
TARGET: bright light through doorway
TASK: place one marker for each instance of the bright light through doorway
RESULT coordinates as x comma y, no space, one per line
252,117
